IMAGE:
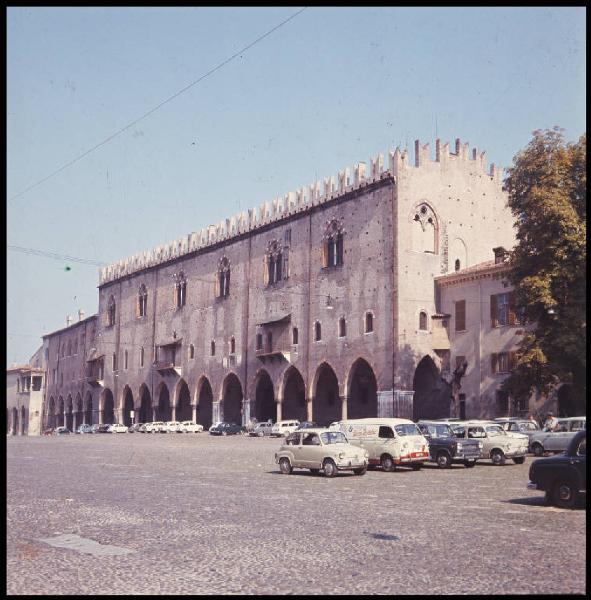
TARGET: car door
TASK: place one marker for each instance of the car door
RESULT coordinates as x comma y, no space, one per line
294,441
310,450
557,440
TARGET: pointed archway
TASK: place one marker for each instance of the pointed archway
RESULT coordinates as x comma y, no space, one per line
265,407
164,410
108,412
88,409
127,406
146,411
205,404
183,405
232,400
327,405
432,395
362,398
294,396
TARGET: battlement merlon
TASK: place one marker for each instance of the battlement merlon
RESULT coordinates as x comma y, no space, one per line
302,199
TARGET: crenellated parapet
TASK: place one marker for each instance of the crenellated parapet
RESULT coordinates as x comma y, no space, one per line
304,199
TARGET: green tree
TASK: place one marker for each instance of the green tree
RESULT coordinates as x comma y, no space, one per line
547,193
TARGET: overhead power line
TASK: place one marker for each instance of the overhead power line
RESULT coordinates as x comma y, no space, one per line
169,99
33,251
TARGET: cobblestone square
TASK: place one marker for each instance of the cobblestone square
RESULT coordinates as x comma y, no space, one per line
202,515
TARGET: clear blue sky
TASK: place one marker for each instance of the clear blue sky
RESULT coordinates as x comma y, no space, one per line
332,87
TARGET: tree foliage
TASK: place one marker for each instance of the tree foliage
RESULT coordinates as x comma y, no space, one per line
547,194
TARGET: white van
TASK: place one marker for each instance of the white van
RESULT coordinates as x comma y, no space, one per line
284,428
390,442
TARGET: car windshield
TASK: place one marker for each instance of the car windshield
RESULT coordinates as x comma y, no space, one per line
440,431
333,437
493,430
407,429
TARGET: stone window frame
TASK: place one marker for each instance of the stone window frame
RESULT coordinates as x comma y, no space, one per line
180,290
366,322
424,214
259,342
125,360
333,243
191,352
317,331
111,311
295,336
275,263
222,280
232,345
142,306
212,348
342,332
424,329
142,356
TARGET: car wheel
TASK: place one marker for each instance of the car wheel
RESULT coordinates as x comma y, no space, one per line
361,471
387,463
416,466
564,494
469,464
443,460
497,457
330,469
538,449
519,460
285,466
314,471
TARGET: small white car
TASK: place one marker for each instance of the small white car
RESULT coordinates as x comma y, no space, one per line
172,427
118,428
154,426
284,428
321,449
190,427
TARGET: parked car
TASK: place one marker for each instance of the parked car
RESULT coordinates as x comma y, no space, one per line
172,427
307,425
104,428
517,425
497,444
134,428
261,429
61,431
118,428
390,442
154,426
284,428
214,425
84,428
563,477
226,429
321,449
143,428
94,428
444,447
559,438
190,427
48,431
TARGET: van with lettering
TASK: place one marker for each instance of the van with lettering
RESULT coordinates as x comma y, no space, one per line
390,442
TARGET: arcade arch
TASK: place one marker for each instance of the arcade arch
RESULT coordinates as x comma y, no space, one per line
327,405
362,388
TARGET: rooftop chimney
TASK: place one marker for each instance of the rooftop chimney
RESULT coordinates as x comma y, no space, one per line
80,315
68,320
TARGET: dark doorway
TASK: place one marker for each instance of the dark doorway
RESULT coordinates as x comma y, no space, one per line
88,409
205,405
127,408
60,417
232,403
265,407
14,421
108,407
183,407
363,392
327,406
79,414
164,412
23,421
146,414
70,414
294,397
432,395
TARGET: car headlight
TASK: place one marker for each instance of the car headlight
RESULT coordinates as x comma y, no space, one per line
460,447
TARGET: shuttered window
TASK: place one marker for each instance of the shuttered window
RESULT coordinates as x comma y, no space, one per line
460,320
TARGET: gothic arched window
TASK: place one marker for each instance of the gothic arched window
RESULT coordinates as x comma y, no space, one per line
276,263
332,244
142,301
111,310
223,279
425,230
180,290
423,320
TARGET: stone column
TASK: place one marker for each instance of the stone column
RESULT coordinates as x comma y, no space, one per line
246,411
385,403
119,415
216,411
344,401
173,413
75,421
100,417
279,411
309,402
194,413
